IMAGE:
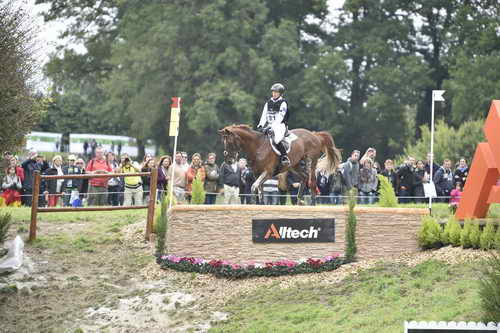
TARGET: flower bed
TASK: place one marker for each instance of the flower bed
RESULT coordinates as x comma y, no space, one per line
222,268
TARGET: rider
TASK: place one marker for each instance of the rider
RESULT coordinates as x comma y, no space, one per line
274,119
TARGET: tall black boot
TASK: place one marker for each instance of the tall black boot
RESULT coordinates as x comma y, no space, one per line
284,157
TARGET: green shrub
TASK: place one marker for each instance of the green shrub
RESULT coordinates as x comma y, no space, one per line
475,235
387,197
198,192
445,235
497,237
464,235
489,288
429,235
5,222
351,248
455,232
487,240
162,224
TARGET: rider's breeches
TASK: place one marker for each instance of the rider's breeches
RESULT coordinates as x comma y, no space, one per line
279,132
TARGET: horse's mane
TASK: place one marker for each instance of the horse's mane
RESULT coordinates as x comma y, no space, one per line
241,126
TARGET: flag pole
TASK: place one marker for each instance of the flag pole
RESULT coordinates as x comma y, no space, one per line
174,130
437,96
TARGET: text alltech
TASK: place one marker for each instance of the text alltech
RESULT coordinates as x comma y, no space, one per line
291,233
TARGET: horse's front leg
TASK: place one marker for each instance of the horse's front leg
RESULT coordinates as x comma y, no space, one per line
257,185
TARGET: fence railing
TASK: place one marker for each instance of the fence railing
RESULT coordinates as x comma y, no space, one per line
37,179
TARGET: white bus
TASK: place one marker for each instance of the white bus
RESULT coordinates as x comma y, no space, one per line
115,143
44,141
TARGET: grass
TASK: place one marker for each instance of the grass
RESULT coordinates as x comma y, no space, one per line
377,300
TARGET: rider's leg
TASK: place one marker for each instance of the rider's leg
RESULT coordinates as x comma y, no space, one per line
279,134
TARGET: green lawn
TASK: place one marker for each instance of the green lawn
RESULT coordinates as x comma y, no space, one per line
378,300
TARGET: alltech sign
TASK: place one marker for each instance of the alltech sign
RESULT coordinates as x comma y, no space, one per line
293,230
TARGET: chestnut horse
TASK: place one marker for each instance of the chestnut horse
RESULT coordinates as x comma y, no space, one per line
308,147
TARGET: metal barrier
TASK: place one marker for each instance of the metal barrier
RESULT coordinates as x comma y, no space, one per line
36,192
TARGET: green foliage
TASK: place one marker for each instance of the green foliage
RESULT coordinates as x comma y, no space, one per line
19,105
489,290
455,232
449,142
161,225
351,247
487,240
5,223
445,234
497,238
387,197
198,191
475,235
465,235
429,235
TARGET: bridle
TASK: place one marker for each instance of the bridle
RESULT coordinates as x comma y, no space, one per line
231,148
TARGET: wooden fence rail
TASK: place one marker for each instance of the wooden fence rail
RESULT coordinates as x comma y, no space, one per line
37,179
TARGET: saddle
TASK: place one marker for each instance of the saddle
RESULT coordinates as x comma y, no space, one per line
287,142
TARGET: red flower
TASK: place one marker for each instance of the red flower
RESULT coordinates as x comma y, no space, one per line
215,263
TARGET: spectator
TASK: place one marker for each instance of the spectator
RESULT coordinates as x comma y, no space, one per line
282,188
338,187
53,187
122,181
178,178
212,179
71,188
98,187
461,172
7,157
435,166
421,177
246,182
324,184
114,183
185,161
270,190
455,194
165,162
147,166
85,148
368,182
351,170
390,174
80,163
230,178
34,163
196,169
93,147
11,186
443,180
370,153
294,183
406,180
133,184
119,150
14,162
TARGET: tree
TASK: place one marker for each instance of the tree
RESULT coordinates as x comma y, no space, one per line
19,105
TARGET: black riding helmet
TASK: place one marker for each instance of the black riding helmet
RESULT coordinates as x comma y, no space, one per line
278,87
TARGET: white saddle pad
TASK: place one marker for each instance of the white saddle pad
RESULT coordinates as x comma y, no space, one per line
287,141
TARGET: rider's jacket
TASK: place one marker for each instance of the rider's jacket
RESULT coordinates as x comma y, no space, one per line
274,112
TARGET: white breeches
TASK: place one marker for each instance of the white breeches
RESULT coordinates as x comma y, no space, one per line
279,132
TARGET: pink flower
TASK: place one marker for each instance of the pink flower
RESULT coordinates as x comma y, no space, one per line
198,261
235,266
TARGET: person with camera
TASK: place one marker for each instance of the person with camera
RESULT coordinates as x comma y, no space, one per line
133,184
406,180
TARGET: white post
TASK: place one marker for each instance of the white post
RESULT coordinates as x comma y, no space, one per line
437,95
174,130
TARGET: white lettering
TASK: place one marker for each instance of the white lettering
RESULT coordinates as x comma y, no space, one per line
290,233
295,233
304,233
312,232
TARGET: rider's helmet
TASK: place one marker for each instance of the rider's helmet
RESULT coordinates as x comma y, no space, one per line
278,87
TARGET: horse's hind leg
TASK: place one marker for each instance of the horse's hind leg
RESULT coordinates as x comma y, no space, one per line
312,180
257,186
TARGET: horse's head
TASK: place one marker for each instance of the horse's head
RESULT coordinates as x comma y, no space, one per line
232,142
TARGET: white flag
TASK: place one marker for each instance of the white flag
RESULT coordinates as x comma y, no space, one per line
437,95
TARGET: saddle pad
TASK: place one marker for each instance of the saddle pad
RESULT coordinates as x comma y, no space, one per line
287,141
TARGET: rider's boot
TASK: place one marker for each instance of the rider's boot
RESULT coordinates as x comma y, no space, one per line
284,157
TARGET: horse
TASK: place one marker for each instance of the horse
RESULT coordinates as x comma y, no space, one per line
308,147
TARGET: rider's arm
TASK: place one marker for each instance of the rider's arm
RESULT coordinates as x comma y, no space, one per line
263,118
280,115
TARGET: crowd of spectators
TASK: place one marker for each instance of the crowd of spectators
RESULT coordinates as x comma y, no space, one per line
231,180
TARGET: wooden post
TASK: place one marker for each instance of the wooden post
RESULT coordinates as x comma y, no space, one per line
153,179
34,205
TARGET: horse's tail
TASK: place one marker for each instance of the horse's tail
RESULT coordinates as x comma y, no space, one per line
333,156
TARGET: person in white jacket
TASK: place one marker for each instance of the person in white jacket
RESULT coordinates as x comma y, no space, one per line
274,119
